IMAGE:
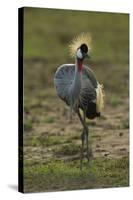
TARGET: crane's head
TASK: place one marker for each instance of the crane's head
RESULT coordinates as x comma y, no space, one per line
80,46
82,52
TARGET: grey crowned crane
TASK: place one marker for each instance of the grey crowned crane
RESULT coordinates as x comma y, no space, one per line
77,86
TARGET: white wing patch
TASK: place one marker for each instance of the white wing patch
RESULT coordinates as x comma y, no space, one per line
99,98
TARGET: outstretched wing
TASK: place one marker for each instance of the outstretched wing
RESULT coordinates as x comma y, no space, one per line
63,79
90,97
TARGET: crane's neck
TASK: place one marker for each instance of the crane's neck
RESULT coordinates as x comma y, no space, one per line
79,65
76,85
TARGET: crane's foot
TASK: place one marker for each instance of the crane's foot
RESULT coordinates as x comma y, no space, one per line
88,158
89,154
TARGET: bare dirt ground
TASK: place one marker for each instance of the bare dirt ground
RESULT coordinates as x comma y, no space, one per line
53,133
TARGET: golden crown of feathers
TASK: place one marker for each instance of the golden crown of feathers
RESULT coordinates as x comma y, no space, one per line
83,38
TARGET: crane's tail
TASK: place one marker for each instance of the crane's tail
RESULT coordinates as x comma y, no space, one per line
100,96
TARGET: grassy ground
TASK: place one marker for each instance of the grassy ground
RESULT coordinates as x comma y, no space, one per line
59,175
51,142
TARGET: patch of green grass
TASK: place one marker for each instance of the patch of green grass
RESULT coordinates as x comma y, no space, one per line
49,140
68,149
59,175
30,141
125,124
49,119
115,101
45,140
28,163
75,137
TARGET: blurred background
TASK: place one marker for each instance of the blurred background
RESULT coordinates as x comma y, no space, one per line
51,142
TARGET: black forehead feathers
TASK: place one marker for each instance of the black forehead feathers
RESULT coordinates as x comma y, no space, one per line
84,48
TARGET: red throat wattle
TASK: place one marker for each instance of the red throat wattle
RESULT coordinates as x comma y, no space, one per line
80,63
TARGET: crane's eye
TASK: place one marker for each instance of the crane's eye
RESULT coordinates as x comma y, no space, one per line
79,54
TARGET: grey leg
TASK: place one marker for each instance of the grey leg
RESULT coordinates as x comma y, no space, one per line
87,132
82,148
89,150
82,136
88,146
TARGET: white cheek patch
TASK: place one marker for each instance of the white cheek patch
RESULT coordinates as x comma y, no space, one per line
79,54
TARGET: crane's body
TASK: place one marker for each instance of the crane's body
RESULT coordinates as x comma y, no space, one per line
84,96
77,86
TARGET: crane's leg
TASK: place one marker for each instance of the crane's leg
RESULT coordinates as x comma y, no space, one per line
82,148
87,144
82,137
87,134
